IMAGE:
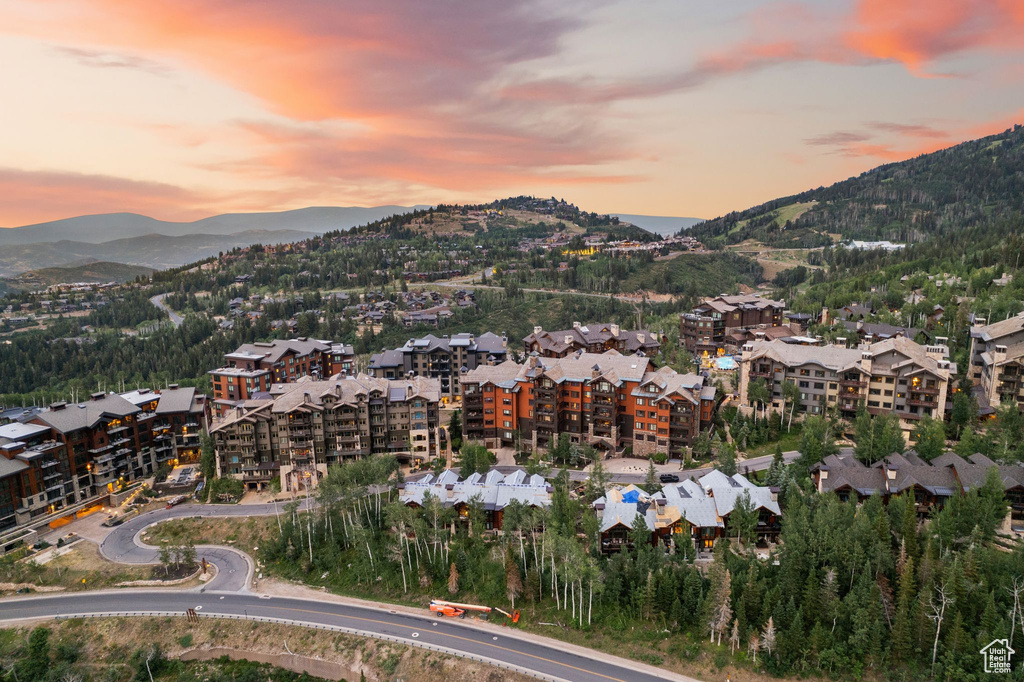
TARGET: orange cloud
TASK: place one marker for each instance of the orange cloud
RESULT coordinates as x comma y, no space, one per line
38,196
918,32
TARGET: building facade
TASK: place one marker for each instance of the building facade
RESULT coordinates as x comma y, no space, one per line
693,511
932,483
69,457
302,428
607,400
895,376
493,491
997,363
442,358
255,367
591,338
708,326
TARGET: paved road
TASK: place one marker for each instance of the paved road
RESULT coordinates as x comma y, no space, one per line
506,647
158,301
743,466
234,566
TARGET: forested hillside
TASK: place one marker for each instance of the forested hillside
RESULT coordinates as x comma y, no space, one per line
974,183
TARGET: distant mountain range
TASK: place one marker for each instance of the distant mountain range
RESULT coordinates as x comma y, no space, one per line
136,239
659,224
141,240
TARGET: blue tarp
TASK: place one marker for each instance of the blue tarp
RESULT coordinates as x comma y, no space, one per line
631,496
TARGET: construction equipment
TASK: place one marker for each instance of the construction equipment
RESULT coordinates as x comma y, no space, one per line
452,609
444,610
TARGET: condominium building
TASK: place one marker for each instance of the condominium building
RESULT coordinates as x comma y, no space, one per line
301,428
177,416
709,325
590,338
895,376
442,358
608,400
255,367
997,363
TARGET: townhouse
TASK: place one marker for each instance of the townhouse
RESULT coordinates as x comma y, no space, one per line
299,429
608,400
710,325
695,511
591,338
895,376
931,483
492,491
997,363
442,358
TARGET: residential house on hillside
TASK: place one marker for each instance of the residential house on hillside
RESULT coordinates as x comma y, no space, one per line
931,483
694,511
492,491
590,338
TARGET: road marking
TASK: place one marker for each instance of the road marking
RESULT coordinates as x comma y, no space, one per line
415,634
199,608
465,639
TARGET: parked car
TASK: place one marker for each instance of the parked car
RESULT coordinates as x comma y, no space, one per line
669,478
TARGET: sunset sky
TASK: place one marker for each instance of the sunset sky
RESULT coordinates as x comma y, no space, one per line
185,108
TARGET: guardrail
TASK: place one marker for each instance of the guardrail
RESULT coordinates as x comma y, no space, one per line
323,626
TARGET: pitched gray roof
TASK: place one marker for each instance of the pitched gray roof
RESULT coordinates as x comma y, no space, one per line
87,414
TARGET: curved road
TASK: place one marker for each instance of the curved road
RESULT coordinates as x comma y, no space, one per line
234,567
503,647
158,301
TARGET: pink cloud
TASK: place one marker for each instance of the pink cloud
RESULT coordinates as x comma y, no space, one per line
37,196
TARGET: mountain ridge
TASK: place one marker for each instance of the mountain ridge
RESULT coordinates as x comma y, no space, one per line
105,227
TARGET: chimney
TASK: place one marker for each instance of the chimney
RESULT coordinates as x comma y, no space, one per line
537,330
641,338
865,362
575,325
568,338
450,487
58,405
841,341
97,395
172,386
614,328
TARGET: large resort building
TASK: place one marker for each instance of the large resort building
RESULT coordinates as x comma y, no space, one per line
591,338
255,367
299,429
607,400
719,322
444,359
690,511
70,457
997,364
896,376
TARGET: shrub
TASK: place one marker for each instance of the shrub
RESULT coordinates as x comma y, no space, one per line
660,457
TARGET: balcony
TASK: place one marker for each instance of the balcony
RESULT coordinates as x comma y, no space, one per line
761,375
852,383
922,403
926,390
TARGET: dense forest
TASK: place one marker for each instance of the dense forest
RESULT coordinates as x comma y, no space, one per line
856,591
976,183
